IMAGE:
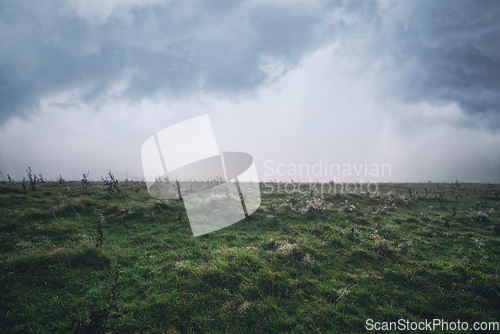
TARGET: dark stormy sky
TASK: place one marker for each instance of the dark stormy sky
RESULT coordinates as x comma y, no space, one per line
358,84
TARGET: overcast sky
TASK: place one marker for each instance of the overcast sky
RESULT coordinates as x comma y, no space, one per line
357,84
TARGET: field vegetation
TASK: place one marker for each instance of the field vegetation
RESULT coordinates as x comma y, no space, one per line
106,257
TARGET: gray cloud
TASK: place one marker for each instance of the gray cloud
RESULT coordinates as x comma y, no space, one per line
444,51
225,47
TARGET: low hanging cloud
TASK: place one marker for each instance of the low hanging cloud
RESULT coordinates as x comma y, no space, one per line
435,52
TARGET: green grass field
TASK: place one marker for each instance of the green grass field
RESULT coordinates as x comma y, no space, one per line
84,260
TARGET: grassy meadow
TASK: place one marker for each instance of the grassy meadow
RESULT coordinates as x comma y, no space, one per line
95,257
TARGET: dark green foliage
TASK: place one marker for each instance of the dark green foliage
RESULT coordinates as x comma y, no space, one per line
98,319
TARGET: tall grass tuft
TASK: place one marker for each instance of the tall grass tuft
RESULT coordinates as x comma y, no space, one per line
99,221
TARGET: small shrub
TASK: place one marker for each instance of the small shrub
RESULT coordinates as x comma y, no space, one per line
32,178
85,181
111,184
99,221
